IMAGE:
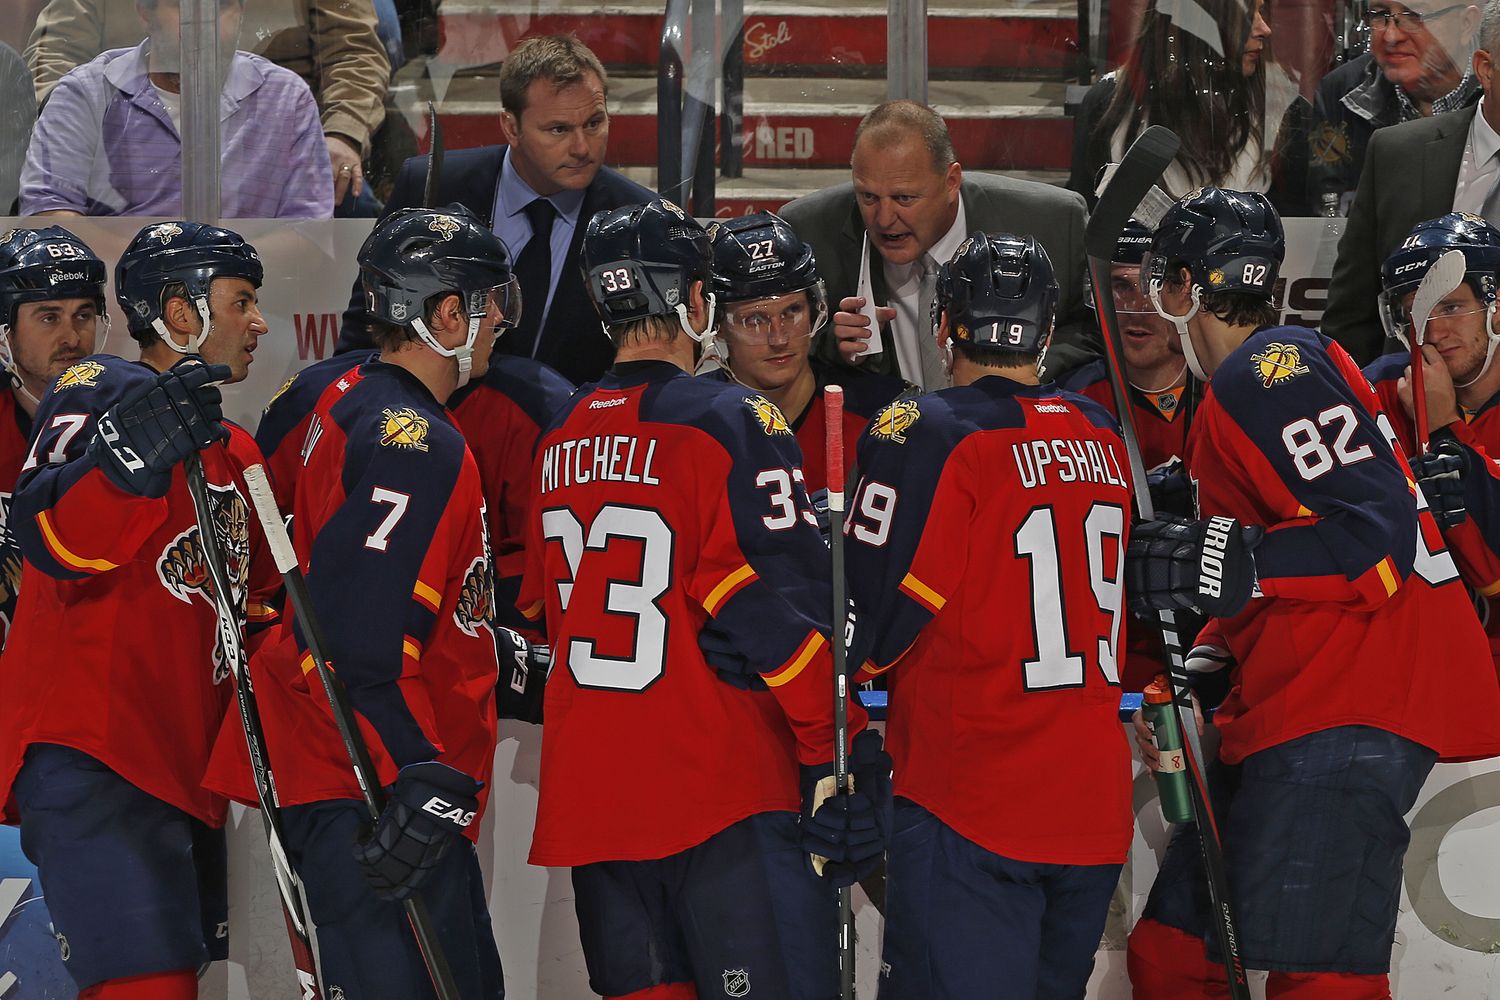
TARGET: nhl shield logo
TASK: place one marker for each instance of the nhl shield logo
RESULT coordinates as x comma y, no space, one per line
736,983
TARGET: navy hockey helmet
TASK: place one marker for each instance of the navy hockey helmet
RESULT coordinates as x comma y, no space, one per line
1134,243
1130,250
999,291
38,265
1408,264
641,261
1230,241
761,257
418,254
190,254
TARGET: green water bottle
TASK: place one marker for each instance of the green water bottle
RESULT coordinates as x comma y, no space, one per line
1171,773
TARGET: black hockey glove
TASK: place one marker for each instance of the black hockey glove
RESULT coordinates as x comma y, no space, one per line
430,807
819,501
1440,473
846,834
1171,491
1202,566
523,676
139,439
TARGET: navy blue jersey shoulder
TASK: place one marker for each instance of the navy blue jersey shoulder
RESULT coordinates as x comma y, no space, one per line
93,385
864,392
389,415
1387,367
1273,363
1080,378
744,422
535,387
297,398
1099,415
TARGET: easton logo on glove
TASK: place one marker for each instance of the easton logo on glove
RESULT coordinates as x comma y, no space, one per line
445,810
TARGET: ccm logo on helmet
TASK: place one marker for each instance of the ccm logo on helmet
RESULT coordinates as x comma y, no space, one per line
443,809
1407,267
1211,562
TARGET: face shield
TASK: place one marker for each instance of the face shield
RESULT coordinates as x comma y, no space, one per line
789,319
499,307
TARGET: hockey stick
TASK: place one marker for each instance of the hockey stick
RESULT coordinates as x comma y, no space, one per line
434,158
255,736
1139,169
833,444
264,501
1441,278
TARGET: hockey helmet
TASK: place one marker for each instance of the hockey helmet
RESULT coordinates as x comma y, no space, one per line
1230,241
999,291
1409,263
760,257
641,261
190,254
38,265
1130,249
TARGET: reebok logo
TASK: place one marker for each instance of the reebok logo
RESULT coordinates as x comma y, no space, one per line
446,810
1211,561
604,404
1050,408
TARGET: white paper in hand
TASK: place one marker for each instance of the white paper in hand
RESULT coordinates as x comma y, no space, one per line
872,346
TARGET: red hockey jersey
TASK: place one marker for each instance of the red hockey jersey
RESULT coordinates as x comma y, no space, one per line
114,650
985,542
1475,543
1360,597
688,602
389,528
15,430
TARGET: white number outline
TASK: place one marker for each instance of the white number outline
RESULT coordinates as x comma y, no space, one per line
379,539
71,424
880,533
1055,667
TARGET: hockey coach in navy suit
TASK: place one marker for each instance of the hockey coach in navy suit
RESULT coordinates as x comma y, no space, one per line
550,179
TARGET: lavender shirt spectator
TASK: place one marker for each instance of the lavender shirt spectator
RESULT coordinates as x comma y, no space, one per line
105,144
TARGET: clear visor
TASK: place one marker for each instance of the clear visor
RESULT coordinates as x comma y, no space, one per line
500,305
1128,285
1395,309
783,319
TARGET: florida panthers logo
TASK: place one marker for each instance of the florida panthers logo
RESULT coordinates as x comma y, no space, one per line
85,374
769,415
444,225
892,423
1278,363
183,567
166,232
476,598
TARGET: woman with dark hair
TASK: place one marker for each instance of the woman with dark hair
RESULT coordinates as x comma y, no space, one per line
1209,78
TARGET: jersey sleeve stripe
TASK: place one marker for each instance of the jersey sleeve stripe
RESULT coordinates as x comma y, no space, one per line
308,666
1387,576
923,594
534,611
411,647
784,674
62,554
258,612
427,596
727,588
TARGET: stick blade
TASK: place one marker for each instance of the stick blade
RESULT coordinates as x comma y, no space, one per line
1139,170
1440,279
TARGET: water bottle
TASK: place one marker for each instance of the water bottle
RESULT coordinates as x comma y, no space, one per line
1171,773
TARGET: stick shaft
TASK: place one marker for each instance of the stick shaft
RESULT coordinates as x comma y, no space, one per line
833,422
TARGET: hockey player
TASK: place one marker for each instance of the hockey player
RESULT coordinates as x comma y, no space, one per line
1333,719
113,684
1006,878
52,309
687,599
1463,386
389,525
771,303
1161,392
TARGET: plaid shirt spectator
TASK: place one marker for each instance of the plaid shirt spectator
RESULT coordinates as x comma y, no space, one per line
106,145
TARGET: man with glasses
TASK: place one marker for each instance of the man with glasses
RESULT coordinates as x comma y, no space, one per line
1415,171
1418,66
766,280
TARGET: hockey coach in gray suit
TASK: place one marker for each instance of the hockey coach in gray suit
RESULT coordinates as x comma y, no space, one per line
881,238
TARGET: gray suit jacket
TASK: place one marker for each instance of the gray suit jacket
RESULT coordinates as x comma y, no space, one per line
1409,176
829,219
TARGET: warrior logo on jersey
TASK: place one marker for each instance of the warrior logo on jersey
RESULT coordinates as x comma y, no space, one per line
444,225
1278,363
183,567
404,428
892,423
85,374
736,983
278,393
166,232
476,598
769,415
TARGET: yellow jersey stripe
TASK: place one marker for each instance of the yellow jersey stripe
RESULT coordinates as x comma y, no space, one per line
427,595
798,663
1387,576
64,555
726,587
923,593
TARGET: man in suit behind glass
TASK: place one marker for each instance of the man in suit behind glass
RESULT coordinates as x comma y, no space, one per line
914,205
549,178
1413,172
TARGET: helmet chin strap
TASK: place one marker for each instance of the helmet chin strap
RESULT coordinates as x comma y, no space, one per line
8,361
462,354
1181,323
1489,353
194,341
705,340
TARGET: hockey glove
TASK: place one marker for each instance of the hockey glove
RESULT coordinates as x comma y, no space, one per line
1440,473
523,676
846,834
430,807
1202,566
1171,491
819,501
138,440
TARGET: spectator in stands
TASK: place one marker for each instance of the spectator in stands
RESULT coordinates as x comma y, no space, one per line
108,141
913,204
1415,171
549,179
1418,65
17,113
331,44
1242,122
